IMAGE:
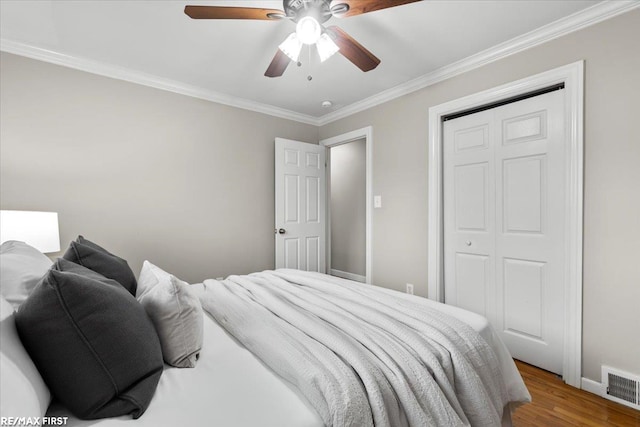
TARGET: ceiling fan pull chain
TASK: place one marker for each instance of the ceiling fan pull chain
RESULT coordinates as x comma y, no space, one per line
309,77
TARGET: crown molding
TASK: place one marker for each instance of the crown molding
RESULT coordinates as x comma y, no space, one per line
589,16
145,79
577,21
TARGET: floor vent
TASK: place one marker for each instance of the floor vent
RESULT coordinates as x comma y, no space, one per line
621,387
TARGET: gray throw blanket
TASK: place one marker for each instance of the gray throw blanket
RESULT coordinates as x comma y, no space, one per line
361,356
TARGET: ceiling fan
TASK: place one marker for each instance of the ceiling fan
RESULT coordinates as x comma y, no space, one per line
309,15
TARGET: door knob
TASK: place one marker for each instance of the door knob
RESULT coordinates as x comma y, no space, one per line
281,231
468,242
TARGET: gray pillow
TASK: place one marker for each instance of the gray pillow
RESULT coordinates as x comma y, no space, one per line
98,259
175,312
92,342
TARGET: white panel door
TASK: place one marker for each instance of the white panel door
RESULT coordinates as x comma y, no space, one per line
469,225
300,180
504,223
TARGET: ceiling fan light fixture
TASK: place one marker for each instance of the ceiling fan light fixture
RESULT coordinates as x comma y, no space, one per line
291,47
326,47
308,30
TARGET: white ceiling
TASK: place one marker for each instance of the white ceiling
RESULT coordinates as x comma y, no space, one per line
229,57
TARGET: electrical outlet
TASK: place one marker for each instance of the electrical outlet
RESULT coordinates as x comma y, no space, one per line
409,288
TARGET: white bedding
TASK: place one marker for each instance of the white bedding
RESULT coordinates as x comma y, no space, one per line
231,387
228,387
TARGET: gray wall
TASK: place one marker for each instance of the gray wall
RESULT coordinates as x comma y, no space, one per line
348,207
185,183
611,183
188,184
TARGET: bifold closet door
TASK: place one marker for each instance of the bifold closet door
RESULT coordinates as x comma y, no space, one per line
504,222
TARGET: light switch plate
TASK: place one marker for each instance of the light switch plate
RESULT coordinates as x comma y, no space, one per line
377,201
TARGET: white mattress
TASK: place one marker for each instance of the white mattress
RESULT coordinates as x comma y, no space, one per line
231,387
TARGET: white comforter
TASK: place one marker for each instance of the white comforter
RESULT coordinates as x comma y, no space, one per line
362,355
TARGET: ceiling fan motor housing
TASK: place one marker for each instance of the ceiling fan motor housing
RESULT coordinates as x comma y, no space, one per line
298,9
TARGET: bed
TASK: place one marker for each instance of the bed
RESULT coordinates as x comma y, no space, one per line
231,386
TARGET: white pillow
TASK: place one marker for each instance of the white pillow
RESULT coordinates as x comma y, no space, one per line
175,312
24,393
21,268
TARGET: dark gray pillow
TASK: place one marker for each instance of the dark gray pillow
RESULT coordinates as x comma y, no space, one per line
100,260
92,342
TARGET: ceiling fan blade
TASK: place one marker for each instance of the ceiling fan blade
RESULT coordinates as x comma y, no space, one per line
220,12
352,50
345,8
278,64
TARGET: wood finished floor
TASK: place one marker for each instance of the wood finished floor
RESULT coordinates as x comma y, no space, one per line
557,404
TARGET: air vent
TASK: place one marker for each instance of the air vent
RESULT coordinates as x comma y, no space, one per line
622,387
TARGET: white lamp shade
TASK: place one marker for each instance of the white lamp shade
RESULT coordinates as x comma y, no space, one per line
38,229
291,47
326,47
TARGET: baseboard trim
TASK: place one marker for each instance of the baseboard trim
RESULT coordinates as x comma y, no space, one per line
592,386
347,275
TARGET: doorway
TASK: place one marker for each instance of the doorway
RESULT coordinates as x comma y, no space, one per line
572,76
349,203
503,171
346,188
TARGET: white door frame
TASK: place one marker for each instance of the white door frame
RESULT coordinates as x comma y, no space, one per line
367,134
572,76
